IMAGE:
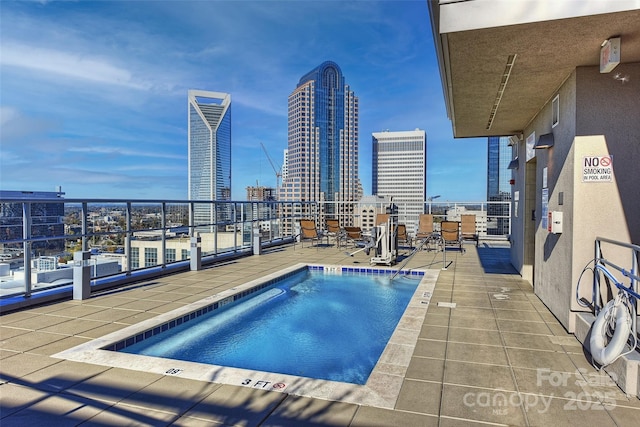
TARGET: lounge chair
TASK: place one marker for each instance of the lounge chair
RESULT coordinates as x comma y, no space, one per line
353,235
468,228
403,235
309,231
450,231
333,230
382,218
425,226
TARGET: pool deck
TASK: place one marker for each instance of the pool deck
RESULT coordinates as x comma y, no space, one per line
498,357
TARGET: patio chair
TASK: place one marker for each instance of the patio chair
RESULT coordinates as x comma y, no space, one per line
450,231
425,226
468,228
403,235
353,235
382,218
309,231
334,230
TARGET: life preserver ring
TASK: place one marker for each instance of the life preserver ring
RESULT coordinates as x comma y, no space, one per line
606,353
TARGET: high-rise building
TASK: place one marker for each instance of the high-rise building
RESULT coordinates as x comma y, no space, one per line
322,159
498,186
261,193
209,137
498,173
399,170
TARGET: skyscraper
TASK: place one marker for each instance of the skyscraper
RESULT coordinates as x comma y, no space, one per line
498,174
323,142
399,170
209,137
498,186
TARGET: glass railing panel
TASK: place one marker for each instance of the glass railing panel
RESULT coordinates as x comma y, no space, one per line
12,272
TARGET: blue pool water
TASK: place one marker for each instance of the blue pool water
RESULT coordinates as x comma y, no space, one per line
312,324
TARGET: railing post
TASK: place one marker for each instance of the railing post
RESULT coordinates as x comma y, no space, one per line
85,225
216,216
192,208
596,279
127,238
26,246
163,250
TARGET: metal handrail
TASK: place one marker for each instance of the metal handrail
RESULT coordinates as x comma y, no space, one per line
602,265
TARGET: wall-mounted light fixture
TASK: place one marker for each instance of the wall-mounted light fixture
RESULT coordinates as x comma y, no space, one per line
545,141
514,164
609,54
515,139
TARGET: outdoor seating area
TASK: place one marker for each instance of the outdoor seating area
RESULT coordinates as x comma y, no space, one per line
479,358
450,233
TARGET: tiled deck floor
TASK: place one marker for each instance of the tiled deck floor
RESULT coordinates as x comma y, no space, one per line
498,358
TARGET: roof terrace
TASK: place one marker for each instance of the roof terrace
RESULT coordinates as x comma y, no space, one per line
486,351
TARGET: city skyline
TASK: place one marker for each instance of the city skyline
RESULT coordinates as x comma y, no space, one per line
96,96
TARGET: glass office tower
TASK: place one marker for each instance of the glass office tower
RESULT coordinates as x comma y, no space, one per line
498,174
209,137
322,159
498,185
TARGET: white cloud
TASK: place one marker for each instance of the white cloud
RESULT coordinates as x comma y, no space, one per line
124,152
67,64
7,114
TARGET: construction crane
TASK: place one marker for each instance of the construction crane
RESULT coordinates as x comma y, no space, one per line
277,171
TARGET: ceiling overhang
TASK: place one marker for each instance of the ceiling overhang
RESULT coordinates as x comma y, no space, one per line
501,62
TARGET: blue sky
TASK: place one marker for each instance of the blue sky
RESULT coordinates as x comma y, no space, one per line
93,95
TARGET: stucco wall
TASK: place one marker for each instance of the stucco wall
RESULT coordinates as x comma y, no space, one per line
611,108
553,252
599,115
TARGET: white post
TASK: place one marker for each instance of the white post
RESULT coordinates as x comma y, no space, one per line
196,252
81,275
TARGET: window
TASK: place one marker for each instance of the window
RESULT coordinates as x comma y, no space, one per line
150,257
135,257
555,111
170,255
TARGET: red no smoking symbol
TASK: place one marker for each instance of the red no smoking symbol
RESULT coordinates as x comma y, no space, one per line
605,161
279,385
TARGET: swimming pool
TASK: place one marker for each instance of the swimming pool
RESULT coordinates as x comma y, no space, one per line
330,325
380,389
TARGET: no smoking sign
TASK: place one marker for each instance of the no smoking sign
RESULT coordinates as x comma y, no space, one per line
597,169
